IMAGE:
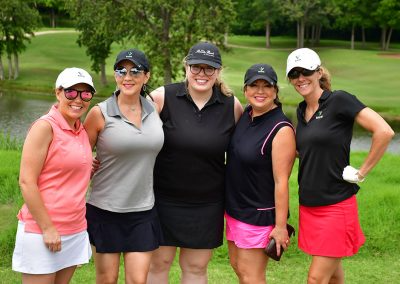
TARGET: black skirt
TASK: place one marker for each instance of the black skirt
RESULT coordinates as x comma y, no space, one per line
195,226
112,232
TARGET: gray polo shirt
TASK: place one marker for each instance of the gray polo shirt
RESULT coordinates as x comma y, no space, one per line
124,181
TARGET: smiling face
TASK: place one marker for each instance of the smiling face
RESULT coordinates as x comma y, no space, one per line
130,83
73,109
307,85
201,82
260,95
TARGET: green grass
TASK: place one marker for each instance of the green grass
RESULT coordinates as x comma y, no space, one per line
365,73
377,261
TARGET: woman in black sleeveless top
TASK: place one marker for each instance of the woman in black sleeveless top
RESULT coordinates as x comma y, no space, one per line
198,117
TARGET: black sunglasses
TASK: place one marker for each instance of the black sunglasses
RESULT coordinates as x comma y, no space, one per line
295,73
72,94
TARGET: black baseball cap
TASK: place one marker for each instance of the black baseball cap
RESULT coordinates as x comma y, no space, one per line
260,71
135,56
204,53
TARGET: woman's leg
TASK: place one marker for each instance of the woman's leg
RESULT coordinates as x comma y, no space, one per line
160,265
137,267
324,270
250,265
193,263
62,276
107,267
232,251
38,278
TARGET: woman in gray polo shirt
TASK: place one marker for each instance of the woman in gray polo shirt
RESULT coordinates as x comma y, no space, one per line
127,133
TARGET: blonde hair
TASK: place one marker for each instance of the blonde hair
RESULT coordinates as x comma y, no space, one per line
325,80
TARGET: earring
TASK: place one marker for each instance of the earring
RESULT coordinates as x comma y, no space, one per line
144,87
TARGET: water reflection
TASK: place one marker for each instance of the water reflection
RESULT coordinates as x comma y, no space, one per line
18,111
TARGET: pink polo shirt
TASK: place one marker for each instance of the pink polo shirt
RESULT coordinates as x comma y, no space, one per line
64,178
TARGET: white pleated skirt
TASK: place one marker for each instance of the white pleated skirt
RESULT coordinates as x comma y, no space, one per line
31,256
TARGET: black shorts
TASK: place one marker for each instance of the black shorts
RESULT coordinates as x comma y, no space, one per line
112,232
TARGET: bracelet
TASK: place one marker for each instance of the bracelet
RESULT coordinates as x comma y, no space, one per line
361,176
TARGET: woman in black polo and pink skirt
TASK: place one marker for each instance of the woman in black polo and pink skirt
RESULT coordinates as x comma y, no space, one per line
329,228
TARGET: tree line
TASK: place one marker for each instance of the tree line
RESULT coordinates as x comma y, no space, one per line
165,29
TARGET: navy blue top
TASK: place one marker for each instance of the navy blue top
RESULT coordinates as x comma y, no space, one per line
191,165
250,183
323,144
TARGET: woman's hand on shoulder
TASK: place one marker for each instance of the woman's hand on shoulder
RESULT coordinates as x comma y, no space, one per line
158,96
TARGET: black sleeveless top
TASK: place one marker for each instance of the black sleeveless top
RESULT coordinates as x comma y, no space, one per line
250,185
191,165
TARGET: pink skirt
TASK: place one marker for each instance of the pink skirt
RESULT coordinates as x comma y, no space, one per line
245,235
332,230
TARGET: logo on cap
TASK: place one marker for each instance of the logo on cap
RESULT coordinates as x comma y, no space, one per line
80,74
298,58
129,55
261,70
208,53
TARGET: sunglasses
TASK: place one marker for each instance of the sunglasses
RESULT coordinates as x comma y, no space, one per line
196,69
72,94
122,72
295,73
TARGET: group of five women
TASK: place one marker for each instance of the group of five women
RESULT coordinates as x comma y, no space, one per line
171,167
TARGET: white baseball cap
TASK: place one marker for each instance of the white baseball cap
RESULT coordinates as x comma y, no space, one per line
72,76
303,57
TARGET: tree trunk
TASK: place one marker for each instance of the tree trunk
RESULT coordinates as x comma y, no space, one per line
53,18
1,69
103,77
388,38
10,67
302,28
268,35
226,39
166,18
363,36
313,34
318,34
16,66
352,37
298,34
383,38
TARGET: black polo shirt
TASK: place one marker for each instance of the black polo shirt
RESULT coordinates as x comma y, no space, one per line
323,144
250,185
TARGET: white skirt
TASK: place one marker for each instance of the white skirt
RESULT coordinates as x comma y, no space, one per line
31,256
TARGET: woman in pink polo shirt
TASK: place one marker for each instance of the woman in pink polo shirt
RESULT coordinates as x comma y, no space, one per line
54,175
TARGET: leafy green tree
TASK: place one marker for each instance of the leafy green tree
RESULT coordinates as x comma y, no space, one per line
54,6
166,29
387,15
266,13
18,20
301,12
100,25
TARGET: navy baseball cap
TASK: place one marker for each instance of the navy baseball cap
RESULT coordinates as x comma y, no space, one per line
204,53
260,71
135,56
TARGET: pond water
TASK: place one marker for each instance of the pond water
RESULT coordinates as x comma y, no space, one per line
18,111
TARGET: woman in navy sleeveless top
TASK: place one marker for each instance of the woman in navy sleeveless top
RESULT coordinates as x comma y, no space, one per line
259,162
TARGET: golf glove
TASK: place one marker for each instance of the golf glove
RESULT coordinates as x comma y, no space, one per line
350,174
